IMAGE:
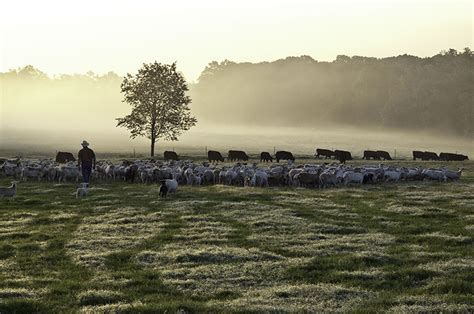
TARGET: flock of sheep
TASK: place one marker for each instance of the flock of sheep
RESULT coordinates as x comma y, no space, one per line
184,172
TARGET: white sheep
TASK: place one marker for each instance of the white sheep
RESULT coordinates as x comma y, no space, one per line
9,191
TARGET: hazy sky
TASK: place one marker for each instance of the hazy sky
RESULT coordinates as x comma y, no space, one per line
77,36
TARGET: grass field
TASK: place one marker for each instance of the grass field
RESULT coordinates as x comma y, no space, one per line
391,247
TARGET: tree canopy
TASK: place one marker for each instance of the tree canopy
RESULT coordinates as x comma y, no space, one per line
160,106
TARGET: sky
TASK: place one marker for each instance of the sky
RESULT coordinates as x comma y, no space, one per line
120,35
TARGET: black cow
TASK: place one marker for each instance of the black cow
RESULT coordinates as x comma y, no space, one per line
64,157
265,157
368,154
284,155
431,156
213,155
169,155
237,155
452,157
342,155
384,155
418,155
327,153
425,155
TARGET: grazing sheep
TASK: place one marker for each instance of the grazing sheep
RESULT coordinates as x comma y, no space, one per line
208,177
327,178
353,177
452,175
434,174
172,185
239,174
32,171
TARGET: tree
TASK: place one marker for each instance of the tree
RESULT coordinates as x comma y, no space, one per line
160,106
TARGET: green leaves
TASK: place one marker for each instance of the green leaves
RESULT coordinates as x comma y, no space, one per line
160,106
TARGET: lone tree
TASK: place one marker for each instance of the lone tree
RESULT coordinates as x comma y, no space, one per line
160,106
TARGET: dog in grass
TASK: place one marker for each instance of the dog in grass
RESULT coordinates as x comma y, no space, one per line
163,189
82,190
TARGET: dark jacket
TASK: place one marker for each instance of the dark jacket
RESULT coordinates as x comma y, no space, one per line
86,156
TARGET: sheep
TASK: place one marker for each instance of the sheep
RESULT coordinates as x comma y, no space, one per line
353,177
393,175
172,185
194,179
109,172
434,174
328,178
208,177
259,179
452,175
32,171
68,171
12,168
239,174
9,191
307,179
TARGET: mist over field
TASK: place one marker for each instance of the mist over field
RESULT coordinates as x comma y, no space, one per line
301,141
399,103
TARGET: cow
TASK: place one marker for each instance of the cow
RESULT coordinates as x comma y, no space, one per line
265,157
64,157
237,155
213,155
368,154
452,157
417,155
424,155
324,152
169,155
342,156
430,156
284,155
384,155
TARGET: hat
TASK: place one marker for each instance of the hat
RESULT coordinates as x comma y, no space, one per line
84,143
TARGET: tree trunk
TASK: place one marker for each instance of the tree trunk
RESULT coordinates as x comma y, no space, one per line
153,138
152,153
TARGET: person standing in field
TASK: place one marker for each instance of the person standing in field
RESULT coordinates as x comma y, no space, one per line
86,160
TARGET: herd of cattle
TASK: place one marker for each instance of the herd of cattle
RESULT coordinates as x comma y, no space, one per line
340,155
239,174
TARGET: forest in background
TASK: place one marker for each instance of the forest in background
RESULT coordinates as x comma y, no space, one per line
403,92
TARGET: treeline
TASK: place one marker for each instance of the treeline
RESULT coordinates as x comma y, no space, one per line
403,92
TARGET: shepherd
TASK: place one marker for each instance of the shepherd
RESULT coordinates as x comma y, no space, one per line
86,160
